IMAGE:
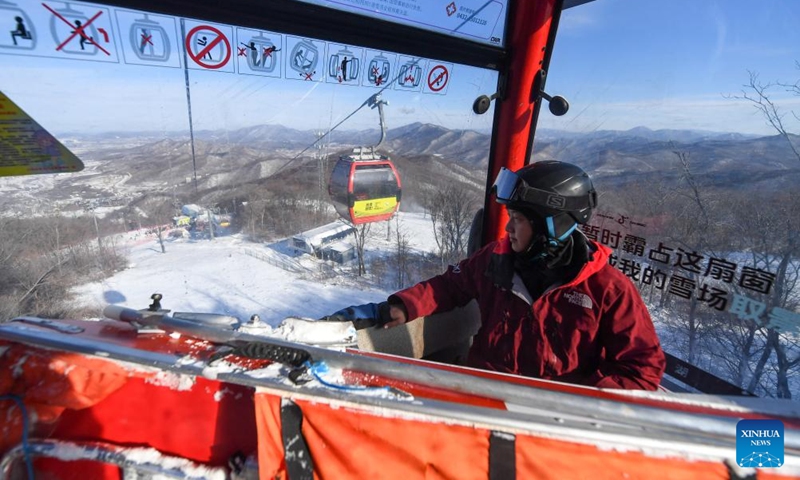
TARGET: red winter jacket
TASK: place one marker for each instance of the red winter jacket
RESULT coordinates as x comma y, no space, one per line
594,330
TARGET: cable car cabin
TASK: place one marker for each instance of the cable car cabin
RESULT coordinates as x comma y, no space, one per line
365,187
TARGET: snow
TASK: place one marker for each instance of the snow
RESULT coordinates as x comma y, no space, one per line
16,369
317,333
224,276
147,459
283,288
173,381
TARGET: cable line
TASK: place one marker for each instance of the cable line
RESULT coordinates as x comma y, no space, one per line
373,101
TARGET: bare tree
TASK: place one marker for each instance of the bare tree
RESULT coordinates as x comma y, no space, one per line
402,256
451,210
697,219
760,95
691,202
160,212
256,214
360,236
769,229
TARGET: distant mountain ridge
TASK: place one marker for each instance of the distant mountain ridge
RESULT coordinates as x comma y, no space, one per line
462,145
681,136
430,155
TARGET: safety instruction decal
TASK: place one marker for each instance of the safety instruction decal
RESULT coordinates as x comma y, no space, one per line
149,39
87,31
26,148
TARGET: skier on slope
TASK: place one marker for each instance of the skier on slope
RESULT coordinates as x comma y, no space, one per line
551,305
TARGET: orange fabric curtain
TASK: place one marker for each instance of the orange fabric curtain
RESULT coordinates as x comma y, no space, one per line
350,443
357,443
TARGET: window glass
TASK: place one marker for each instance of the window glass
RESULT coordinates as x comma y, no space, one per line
686,116
206,147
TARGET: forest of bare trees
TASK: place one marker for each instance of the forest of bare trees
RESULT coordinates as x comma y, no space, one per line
41,259
713,328
745,332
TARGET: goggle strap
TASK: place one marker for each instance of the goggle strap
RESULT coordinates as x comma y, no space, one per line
554,200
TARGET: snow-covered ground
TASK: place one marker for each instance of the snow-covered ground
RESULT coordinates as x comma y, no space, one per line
232,276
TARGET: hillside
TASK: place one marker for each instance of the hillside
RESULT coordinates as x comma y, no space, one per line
122,167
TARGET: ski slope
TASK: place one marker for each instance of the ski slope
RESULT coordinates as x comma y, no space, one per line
229,275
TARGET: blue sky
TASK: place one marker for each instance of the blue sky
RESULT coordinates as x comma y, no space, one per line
620,63
671,64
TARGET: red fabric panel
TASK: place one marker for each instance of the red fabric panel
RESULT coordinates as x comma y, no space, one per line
271,464
82,398
48,382
550,459
206,423
349,443
357,443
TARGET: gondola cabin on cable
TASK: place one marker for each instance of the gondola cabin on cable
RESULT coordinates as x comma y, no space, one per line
365,187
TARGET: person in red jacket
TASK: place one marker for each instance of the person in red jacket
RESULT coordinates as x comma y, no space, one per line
551,305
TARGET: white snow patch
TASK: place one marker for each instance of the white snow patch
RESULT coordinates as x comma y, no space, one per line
219,394
212,371
172,380
16,369
139,456
309,331
190,361
273,370
504,435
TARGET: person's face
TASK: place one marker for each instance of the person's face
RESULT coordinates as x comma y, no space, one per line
520,230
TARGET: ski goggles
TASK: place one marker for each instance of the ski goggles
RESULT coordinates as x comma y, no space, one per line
508,187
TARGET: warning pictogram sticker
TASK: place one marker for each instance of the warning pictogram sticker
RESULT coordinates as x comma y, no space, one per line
305,60
80,32
410,73
209,48
438,78
379,69
344,64
259,52
23,36
149,39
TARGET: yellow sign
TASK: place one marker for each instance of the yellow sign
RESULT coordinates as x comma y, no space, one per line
28,149
378,206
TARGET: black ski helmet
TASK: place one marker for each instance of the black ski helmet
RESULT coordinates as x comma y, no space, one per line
558,194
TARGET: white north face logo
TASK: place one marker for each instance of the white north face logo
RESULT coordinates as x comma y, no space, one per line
578,298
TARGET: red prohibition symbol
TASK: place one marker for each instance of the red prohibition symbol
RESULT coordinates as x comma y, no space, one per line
198,57
437,78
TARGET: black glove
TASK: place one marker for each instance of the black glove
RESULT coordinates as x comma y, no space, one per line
362,316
